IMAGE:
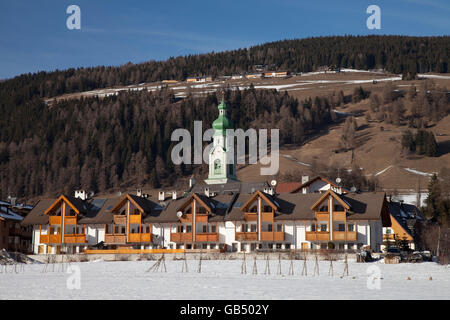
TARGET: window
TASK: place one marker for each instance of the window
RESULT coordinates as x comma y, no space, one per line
313,227
323,227
279,227
204,230
350,227
213,246
253,228
338,207
254,209
217,167
278,246
267,209
269,227
204,246
213,229
288,245
136,211
188,229
180,229
323,209
341,227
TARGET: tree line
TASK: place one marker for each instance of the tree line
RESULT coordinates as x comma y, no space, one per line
125,140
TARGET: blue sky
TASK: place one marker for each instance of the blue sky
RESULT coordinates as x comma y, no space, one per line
34,36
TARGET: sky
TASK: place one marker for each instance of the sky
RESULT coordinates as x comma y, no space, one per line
34,35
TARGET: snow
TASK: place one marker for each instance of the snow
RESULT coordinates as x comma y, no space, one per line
222,279
383,171
418,172
432,76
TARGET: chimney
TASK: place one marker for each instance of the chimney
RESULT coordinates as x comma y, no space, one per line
13,201
162,196
191,182
305,179
271,191
81,194
174,195
207,192
139,192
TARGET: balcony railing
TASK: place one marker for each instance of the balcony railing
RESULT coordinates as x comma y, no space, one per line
207,237
322,216
70,220
74,238
139,237
52,220
116,238
120,219
267,216
272,236
181,237
246,236
317,236
135,219
251,216
52,238
344,235
339,216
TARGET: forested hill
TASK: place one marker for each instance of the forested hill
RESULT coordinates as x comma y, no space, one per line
397,54
125,140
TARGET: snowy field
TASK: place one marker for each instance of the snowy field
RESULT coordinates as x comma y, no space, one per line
223,280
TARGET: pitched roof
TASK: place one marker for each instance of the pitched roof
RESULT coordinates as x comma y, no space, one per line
37,215
307,183
287,187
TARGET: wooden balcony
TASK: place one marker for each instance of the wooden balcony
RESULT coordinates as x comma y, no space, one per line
246,236
52,238
339,216
74,238
317,236
201,217
116,238
251,216
267,216
120,219
207,237
135,219
322,216
344,236
69,220
181,237
139,237
272,236
53,220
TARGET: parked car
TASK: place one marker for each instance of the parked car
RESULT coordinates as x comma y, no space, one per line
393,251
426,255
414,257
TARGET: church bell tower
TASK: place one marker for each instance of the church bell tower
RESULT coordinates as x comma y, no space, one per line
221,169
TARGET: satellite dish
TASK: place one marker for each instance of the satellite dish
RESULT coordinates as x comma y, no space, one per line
353,189
338,180
179,214
273,183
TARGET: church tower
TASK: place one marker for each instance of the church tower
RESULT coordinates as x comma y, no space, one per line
221,169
